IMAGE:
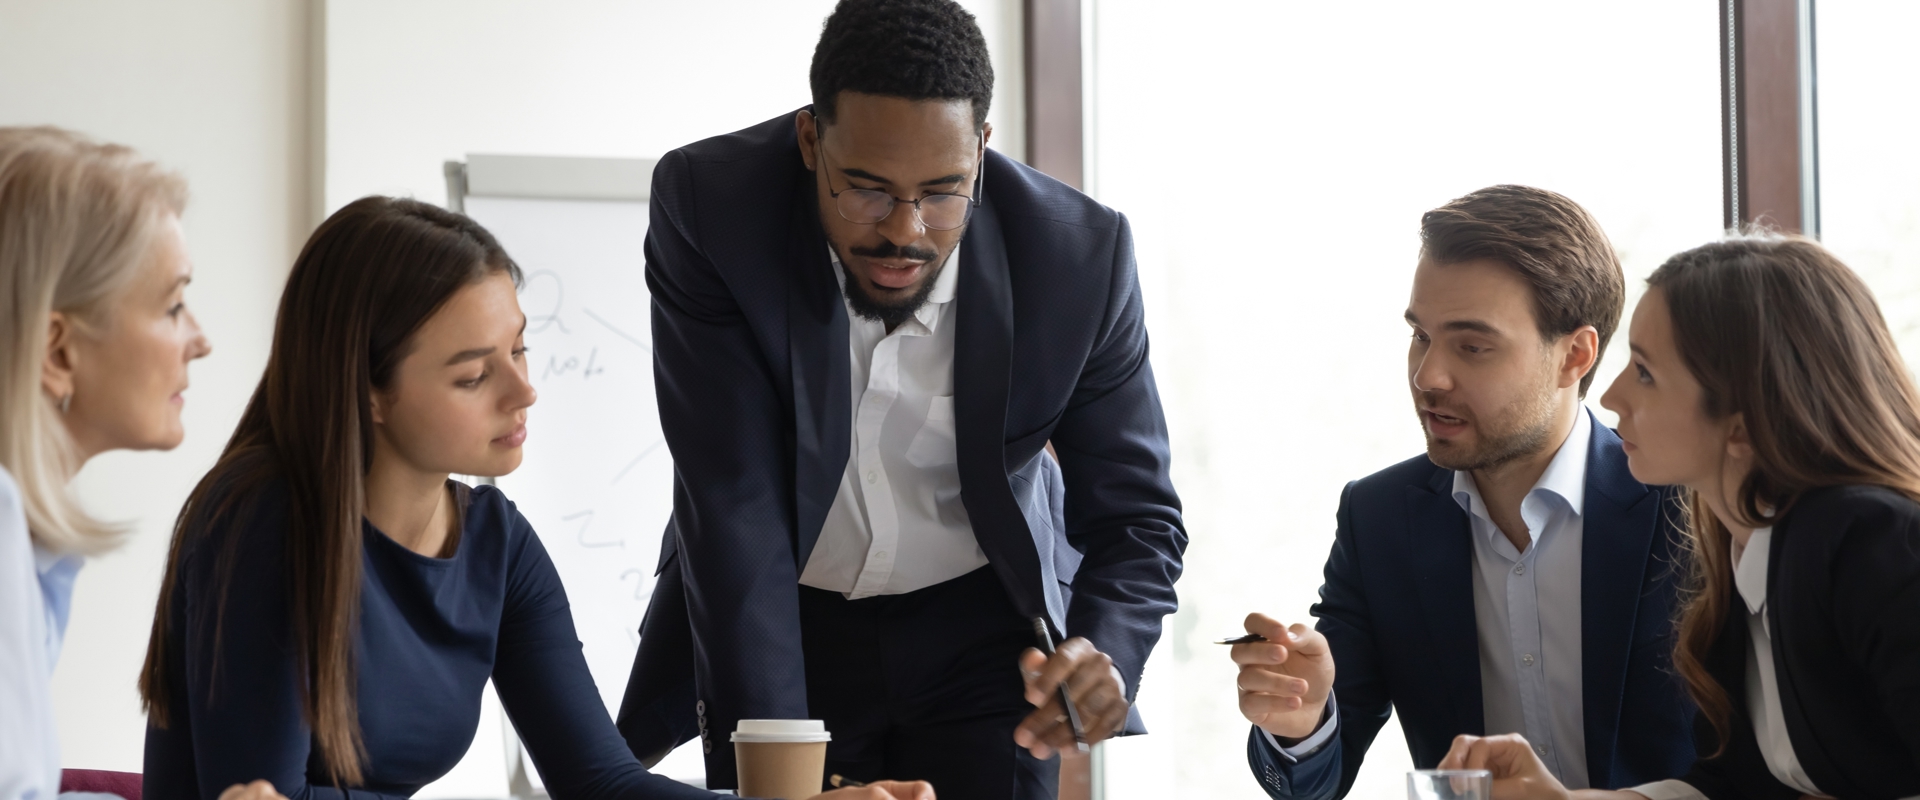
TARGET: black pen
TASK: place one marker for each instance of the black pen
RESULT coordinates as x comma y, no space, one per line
1247,639
1041,632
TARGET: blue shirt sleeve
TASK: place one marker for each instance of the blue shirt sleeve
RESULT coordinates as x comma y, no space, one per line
29,741
543,681
236,715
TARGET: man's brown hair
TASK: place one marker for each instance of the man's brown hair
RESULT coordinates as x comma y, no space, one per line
1551,241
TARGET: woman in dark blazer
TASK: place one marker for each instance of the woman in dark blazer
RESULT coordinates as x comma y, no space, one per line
1765,381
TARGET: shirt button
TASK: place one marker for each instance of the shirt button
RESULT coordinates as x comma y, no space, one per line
881,554
1520,570
1542,749
1527,659
872,477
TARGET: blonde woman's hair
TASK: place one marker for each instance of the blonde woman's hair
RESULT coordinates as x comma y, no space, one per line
77,218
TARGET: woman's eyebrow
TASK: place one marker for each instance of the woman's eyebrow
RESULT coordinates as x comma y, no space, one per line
469,355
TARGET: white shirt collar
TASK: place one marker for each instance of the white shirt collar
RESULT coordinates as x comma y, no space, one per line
945,286
1565,479
1750,568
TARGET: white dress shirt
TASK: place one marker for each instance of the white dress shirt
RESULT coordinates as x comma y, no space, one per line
1526,607
897,523
1763,687
35,589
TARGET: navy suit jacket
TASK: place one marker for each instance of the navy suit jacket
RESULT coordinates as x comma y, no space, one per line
1397,611
751,368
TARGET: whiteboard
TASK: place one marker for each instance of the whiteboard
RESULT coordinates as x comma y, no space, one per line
596,483
597,480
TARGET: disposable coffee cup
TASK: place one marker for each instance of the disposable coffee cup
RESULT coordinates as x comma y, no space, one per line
781,758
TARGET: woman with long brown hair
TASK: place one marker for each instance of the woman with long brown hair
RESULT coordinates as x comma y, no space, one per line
1765,381
95,339
334,605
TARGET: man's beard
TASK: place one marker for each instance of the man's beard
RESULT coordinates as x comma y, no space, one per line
1529,424
891,314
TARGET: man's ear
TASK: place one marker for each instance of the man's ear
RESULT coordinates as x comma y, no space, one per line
807,128
986,133
1739,442
56,369
1583,356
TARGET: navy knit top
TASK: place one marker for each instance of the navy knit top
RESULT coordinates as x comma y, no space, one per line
432,631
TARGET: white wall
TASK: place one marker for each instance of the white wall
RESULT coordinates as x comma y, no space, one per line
215,89
410,85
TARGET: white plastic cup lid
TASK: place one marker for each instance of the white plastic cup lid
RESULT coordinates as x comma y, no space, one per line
781,731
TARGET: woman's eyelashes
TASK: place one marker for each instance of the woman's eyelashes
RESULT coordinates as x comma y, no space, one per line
475,381
1641,371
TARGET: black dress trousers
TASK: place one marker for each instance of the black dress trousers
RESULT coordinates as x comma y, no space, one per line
925,686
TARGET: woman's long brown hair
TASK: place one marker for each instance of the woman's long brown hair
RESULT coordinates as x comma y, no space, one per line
1778,330
366,281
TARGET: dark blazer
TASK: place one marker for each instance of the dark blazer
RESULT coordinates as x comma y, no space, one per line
1397,610
1843,607
751,368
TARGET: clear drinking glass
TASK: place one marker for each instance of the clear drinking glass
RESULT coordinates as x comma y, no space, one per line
1449,784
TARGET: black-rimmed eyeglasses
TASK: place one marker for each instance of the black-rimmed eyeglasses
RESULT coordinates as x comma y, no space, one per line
940,212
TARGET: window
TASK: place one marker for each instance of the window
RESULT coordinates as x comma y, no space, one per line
1274,160
1869,168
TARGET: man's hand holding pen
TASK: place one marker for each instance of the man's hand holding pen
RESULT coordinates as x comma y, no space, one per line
1094,684
1285,677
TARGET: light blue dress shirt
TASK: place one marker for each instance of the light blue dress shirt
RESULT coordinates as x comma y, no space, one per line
36,596
1526,606
56,576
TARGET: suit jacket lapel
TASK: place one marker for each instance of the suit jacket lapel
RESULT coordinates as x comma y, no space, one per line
1439,547
822,392
982,376
1617,536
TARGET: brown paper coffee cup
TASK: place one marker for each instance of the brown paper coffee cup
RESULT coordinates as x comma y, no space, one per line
781,758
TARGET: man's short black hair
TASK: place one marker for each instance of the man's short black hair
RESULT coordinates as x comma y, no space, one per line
913,49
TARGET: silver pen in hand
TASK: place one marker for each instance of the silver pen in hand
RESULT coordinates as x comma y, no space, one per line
1045,636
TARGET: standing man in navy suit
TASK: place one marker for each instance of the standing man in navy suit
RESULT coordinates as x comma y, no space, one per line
1515,578
867,328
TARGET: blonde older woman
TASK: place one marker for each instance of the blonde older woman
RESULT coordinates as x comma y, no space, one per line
95,338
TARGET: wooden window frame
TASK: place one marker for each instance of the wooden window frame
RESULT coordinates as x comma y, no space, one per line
1769,121
1056,106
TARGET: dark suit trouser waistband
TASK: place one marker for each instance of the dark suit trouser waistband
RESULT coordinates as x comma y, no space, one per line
924,685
